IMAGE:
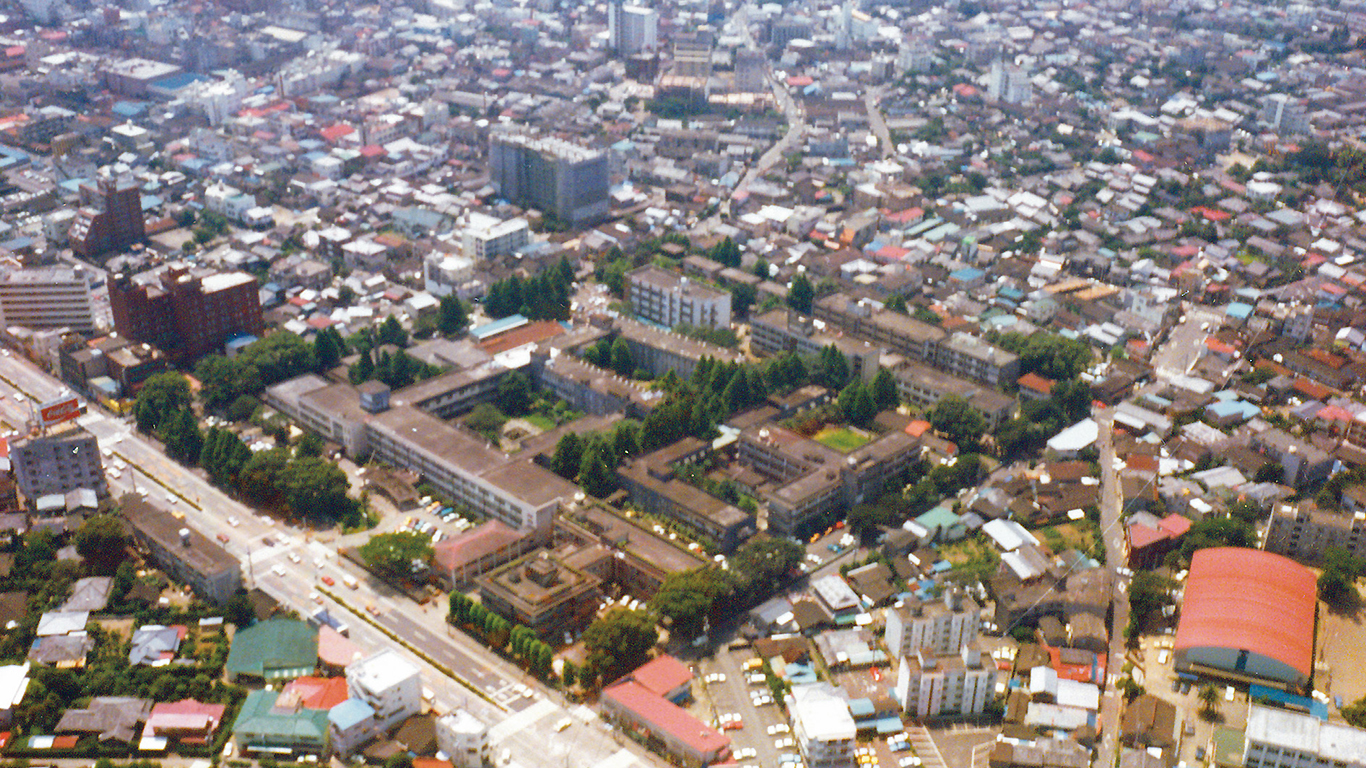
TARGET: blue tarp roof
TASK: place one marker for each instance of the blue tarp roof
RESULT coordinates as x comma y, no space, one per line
1303,703
498,326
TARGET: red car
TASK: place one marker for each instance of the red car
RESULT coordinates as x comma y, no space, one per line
329,581
877,674
733,725
223,537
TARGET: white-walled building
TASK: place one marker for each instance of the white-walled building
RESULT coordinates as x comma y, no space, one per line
447,273
484,237
928,685
464,739
822,727
943,626
1278,738
668,299
50,297
389,684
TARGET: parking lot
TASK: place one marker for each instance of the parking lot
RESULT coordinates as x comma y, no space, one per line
734,695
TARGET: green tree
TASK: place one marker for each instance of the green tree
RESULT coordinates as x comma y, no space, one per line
102,542
161,396
223,380
619,641
1337,582
397,554
686,598
399,760
310,446
279,356
568,456
391,332
569,674
243,408
726,252
884,391
328,348
453,316
182,437
622,361
514,394
1209,700
760,566
742,296
801,294
962,423
487,420
313,486
1355,713
595,475
260,475
833,368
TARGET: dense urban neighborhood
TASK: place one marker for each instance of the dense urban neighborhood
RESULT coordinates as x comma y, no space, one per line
467,385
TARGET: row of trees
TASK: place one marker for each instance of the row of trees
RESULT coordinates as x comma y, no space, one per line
543,297
859,403
689,599
281,355
520,641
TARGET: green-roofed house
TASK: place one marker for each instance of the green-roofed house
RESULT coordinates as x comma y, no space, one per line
942,524
279,649
290,731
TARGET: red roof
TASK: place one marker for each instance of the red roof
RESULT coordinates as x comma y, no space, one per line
481,540
336,649
332,133
917,428
1141,536
1037,383
1250,600
1175,524
662,716
316,692
662,675
963,89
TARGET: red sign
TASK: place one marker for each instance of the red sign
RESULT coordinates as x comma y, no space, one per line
57,411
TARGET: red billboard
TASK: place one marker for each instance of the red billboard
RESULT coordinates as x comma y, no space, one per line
57,411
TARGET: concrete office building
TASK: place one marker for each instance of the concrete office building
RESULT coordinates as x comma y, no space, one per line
669,299
943,626
389,685
632,29
558,178
543,592
109,218
750,67
1304,532
485,237
822,727
65,459
464,739
931,685
186,315
1279,738
50,297
185,554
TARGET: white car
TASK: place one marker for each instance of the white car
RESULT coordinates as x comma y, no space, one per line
745,753
278,570
761,700
756,678
715,677
294,558
784,743
233,521
563,724
774,730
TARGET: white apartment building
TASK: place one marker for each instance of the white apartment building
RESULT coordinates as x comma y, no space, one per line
1009,83
942,626
464,739
1284,115
447,273
965,355
1278,738
486,236
822,727
389,685
47,298
632,29
929,685
668,299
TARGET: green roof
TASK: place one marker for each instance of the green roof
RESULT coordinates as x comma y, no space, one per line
1229,745
259,724
274,650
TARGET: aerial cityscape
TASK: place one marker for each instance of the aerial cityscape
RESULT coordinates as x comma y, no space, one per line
446,384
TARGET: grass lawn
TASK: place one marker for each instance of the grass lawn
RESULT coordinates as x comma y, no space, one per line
841,439
539,421
1079,534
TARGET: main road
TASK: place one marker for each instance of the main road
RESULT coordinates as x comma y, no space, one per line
1116,556
289,563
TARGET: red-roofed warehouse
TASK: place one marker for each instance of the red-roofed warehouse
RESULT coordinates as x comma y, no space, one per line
1249,613
689,740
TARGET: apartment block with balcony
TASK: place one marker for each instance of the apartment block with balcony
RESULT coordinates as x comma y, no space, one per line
944,626
933,685
669,299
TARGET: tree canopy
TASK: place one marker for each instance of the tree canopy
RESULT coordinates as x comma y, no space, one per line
397,554
686,598
619,641
162,396
962,423
102,542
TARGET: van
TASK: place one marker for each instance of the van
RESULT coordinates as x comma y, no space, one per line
1162,656
350,581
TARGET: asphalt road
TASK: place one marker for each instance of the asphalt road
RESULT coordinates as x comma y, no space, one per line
288,563
1116,555
1184,343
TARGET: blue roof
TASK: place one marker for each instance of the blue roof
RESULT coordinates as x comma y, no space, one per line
350,713
967,274
886,725
1240,408
176,82
498,326
1239,310
128,108
150,201
1315,708
861,707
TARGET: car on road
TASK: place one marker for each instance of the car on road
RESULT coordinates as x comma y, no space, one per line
315,597
371,609
774,730
233,521
563,724
755,678
329,581
294,558
761,700
223,537
278,570
784,743
877,674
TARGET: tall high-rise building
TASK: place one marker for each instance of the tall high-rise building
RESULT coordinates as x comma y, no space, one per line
109,218
692,54
558,178
750,66
1009,83
186,316
631,29
50,297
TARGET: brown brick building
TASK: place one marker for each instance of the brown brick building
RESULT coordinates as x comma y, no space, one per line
109,219
186,316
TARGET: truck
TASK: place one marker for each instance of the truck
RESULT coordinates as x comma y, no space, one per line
323,617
